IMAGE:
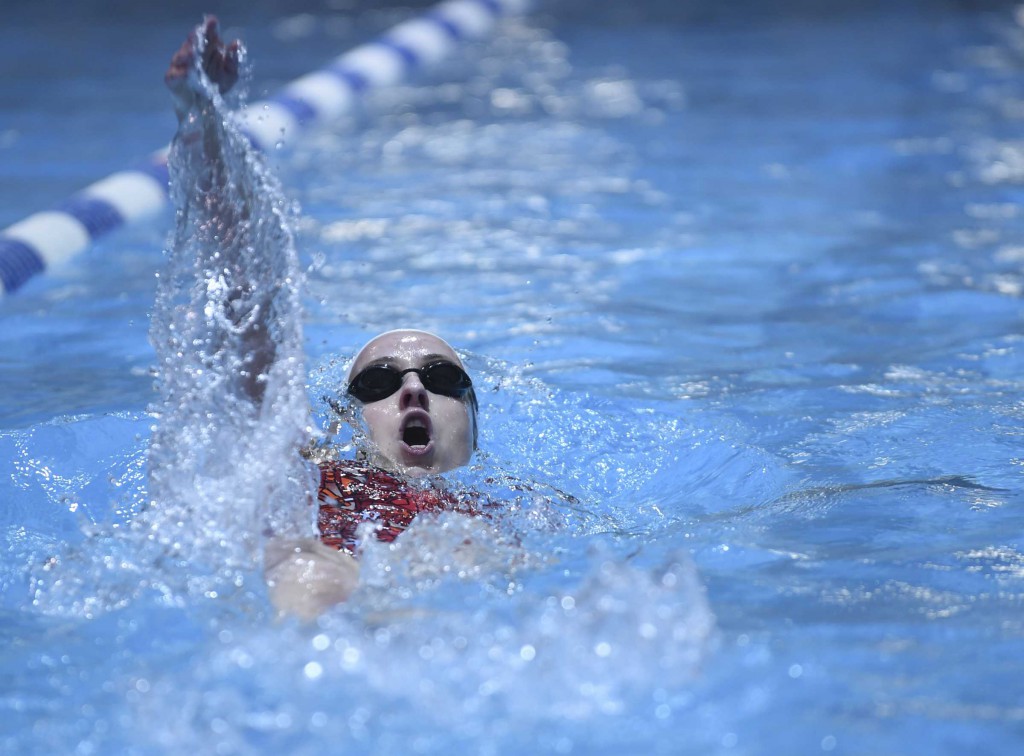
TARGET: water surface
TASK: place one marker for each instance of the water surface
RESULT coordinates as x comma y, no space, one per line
742,286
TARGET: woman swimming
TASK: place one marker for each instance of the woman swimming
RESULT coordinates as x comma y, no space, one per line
417,400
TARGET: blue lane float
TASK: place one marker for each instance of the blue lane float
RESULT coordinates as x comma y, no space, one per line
47,239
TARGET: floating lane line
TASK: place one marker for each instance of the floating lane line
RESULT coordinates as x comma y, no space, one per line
50,238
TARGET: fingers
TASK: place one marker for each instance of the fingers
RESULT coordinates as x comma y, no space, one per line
211,32
220,62
212,47
231,59
180,63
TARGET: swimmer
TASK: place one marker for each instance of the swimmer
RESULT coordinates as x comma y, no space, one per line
417,400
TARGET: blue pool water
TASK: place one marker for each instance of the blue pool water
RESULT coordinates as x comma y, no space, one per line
742,287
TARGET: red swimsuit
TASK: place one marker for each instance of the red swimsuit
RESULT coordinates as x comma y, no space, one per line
351,494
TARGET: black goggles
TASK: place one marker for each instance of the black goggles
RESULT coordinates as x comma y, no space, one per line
381,381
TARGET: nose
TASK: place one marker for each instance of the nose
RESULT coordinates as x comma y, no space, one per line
413,394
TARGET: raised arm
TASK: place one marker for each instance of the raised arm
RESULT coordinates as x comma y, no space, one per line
232,336
202,69
219,198
231,411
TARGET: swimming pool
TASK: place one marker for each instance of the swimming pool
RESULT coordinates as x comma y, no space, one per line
744,282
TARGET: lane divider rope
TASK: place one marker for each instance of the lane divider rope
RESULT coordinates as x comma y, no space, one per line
47,239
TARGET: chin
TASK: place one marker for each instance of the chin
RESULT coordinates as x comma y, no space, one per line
413,466
416,464
417,468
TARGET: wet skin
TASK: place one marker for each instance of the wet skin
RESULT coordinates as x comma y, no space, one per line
220,60
415,432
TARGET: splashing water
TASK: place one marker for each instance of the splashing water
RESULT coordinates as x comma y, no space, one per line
777,330
223,469
552,611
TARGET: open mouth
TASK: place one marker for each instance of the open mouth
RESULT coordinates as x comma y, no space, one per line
415,435
416,432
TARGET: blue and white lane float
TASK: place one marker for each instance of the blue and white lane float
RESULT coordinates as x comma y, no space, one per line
49,238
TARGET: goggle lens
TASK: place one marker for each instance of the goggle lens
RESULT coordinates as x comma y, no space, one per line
381,381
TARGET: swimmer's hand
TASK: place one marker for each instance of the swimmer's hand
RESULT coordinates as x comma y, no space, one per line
305,577
219,63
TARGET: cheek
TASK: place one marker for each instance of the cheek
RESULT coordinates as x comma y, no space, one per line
453,420
381,420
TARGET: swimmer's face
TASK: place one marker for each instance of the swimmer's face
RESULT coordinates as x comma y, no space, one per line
415,431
